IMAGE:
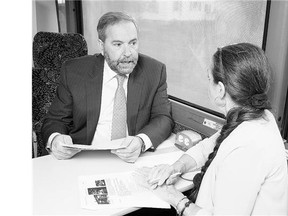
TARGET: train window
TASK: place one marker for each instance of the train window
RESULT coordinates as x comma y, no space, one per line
184,35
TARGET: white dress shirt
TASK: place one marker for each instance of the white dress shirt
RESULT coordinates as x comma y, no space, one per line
109,87
104,126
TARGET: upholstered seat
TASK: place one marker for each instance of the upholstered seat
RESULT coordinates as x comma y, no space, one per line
50,50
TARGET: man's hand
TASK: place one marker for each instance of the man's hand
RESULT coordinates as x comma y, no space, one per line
61,152
132,149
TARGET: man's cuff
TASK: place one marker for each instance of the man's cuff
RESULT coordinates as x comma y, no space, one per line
50,139
146,140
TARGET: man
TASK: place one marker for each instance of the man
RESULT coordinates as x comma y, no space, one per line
84,108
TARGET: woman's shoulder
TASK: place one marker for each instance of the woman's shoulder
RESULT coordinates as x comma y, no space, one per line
258,132
264,123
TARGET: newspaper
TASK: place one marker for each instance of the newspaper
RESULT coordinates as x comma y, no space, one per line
116,190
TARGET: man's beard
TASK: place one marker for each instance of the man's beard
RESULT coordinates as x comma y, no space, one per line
123,65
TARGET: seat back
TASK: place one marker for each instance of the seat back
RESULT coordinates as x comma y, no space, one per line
50,51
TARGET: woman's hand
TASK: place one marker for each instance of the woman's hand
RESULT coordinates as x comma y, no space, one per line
152,177
161,174
169,194
165,192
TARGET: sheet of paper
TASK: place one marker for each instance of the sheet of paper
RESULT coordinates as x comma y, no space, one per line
101,144
116,190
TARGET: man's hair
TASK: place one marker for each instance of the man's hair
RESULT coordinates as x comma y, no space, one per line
112,18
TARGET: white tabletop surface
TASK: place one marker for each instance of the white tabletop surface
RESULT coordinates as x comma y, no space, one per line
55,182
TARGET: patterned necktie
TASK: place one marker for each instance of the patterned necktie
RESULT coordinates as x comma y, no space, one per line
119,111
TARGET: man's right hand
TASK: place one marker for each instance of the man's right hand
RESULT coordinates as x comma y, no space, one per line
61,152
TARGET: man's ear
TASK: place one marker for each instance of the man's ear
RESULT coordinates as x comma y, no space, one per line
101,45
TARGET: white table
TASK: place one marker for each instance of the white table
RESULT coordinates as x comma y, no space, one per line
55,182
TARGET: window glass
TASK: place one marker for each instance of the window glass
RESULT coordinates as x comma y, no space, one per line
184,35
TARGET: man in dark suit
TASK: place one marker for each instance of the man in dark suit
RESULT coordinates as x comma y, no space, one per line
83,110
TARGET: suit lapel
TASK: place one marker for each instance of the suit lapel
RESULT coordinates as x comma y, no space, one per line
135,82
94,92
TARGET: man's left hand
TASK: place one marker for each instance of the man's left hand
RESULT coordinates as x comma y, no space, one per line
132,149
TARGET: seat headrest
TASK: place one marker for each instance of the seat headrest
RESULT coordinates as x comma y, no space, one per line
51,49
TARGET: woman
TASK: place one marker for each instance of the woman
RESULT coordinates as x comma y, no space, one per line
244,169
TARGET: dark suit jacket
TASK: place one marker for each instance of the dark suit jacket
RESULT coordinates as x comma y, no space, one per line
76,108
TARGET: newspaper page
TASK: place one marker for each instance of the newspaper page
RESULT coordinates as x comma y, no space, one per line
116,190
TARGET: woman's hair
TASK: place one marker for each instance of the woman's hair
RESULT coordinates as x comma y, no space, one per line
245,72
112,18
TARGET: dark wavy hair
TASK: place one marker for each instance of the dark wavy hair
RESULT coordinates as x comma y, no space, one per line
112,18
245,72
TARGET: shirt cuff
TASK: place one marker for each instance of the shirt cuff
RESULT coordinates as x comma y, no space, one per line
49,142
146,140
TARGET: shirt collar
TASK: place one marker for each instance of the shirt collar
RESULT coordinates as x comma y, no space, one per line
108,73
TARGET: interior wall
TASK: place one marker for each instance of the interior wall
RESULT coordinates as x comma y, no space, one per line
277,53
